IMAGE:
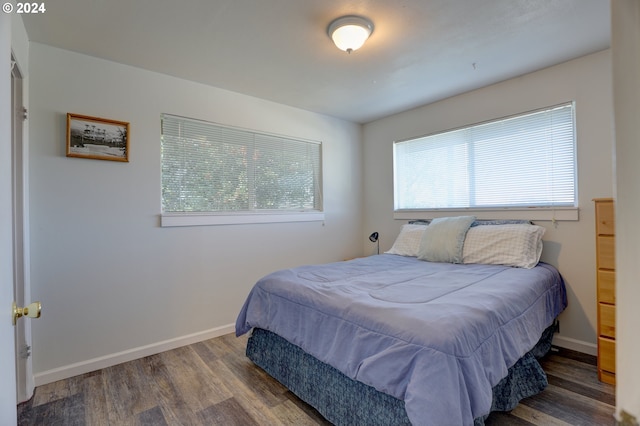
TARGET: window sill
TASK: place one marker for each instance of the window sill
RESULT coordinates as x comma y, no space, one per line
210,219
534,213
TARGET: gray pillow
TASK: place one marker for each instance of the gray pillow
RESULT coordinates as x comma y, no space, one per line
443,239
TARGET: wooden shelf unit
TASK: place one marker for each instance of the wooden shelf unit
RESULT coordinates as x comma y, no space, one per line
606,289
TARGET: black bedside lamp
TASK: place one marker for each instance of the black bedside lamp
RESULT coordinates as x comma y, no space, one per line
374,239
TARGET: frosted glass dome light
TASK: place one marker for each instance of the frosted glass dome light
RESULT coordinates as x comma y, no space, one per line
350,32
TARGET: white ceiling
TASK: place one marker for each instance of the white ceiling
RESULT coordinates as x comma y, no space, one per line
420,50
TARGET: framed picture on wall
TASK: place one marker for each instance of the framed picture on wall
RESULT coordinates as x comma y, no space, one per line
97,138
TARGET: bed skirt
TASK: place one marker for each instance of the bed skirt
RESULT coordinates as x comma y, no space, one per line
344,401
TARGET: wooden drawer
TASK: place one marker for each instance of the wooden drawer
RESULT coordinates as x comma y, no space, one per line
607,377
607,315
607,354
605,248
607,287
605,224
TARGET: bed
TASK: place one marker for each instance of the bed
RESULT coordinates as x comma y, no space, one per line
403,339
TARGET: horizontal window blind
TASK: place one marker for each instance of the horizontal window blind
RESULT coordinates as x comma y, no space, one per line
208,167
527,160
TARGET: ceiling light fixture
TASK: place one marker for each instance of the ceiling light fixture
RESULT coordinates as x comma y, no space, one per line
350,32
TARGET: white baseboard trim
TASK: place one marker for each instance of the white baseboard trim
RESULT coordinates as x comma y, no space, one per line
575,345
94,364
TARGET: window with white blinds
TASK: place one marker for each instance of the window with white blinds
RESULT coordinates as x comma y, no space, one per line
523,161
208,167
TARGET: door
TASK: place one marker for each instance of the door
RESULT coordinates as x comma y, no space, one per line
8,400
24,381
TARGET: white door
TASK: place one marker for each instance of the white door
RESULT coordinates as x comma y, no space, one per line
8,400
24,382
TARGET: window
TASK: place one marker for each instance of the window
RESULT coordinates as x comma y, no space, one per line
212,169
525,161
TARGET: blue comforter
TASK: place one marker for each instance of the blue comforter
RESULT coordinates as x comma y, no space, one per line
437,335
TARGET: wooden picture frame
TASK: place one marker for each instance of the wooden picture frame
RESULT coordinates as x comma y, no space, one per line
97,138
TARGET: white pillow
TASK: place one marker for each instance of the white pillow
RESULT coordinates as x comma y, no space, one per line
511,245
408,240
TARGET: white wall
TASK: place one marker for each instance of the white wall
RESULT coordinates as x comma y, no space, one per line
626,89
110,279
570,246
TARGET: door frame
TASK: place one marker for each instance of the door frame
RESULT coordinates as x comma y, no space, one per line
8,412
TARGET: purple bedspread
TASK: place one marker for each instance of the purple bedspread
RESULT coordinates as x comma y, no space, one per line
437,335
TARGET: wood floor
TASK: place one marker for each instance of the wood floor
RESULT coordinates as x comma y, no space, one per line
213,383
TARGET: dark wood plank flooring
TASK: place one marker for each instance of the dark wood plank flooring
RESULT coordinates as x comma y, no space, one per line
213,383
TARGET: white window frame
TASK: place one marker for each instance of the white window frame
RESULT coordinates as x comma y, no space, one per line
550,213
177,219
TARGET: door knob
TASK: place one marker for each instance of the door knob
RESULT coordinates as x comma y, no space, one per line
32,310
